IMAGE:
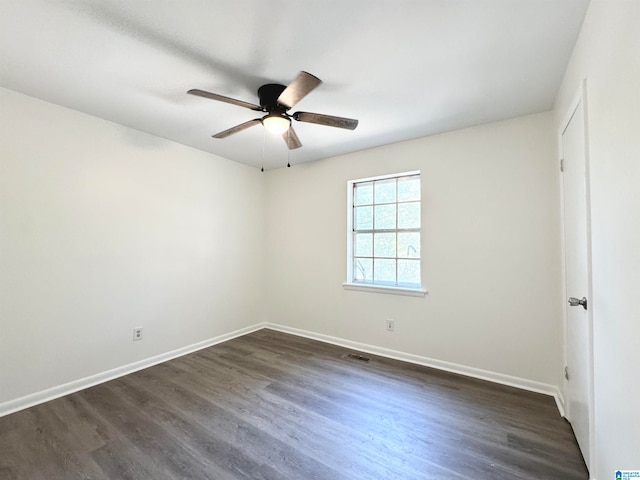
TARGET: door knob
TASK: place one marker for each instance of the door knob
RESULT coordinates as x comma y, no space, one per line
574,302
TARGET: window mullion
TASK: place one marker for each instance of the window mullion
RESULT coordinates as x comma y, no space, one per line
396,234
373,234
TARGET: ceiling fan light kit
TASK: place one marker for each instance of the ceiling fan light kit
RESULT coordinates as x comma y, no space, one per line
275,100
276,124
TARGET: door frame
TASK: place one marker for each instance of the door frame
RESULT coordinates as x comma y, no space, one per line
579,98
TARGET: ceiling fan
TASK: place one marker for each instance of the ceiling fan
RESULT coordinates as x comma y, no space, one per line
275,100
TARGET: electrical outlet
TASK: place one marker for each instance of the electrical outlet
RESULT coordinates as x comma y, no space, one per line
391,325
137,333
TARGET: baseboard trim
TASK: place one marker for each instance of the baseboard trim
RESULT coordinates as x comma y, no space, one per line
560,403
481,374
30,400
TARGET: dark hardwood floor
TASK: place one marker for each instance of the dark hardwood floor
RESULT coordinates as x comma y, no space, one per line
275,406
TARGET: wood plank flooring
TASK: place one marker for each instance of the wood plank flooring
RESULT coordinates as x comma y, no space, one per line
274,406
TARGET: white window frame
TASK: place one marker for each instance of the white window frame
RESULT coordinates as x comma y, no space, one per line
418,291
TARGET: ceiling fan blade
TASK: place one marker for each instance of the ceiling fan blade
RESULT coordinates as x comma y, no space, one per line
328,120
237,128
291,138
298,88
222,98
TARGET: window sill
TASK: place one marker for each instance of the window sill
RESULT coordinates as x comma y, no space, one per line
409,292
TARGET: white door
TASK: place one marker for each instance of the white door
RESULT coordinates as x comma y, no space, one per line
577,269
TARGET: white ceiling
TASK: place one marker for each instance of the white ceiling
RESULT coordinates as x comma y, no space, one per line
405,69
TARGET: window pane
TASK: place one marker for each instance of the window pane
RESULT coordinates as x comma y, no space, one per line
384,271
385,242
363,270
408,189
385,191
363,245
385,216
409,271
363,193
408,245
384,245
363,218
409,215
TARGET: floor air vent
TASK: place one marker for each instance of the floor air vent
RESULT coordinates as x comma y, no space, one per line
355,356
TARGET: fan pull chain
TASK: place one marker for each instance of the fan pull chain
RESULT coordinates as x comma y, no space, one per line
264,141
288,147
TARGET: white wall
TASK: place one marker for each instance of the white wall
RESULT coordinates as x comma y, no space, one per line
608,56
490,248
104,228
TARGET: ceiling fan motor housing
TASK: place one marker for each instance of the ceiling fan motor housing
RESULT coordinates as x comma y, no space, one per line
268,95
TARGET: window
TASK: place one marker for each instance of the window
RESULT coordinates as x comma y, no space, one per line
384,233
